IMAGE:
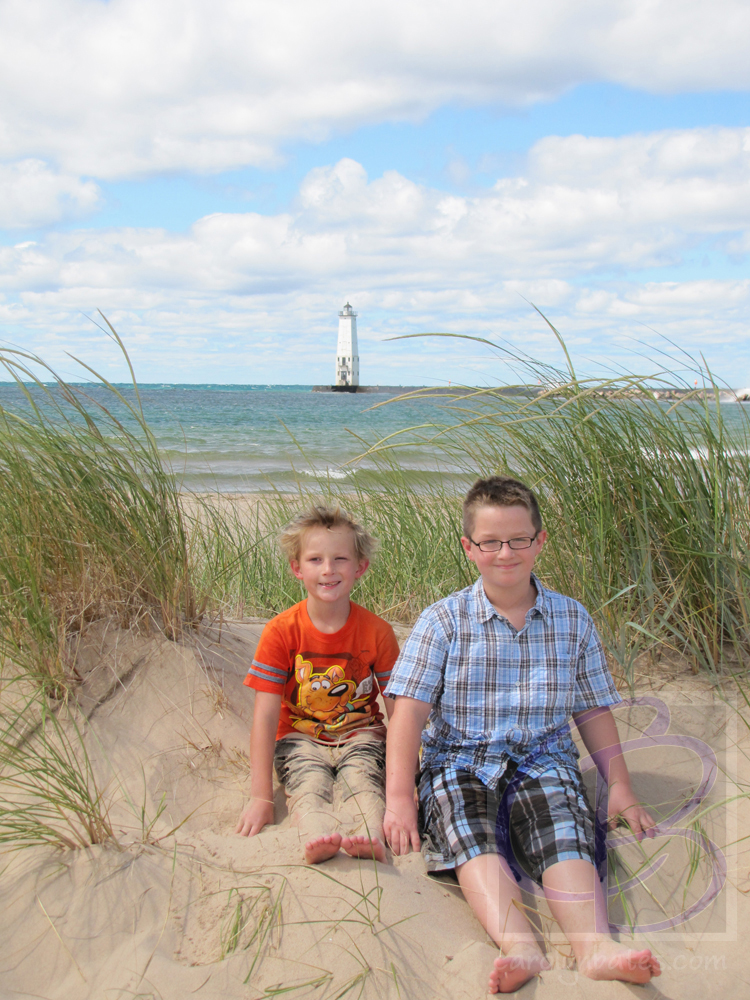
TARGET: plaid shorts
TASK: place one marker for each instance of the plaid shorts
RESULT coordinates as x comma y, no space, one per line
532,822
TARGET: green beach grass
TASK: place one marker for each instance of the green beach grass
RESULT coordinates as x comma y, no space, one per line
646,501
646,504
91,523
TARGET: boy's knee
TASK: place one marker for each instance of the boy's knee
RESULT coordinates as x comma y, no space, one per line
363,770
310,798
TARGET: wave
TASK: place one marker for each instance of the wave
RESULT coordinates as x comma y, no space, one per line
327,473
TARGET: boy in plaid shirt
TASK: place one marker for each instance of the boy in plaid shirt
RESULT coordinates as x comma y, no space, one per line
499,669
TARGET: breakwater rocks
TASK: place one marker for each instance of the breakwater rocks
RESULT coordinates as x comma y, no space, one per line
437,390
395,390
668,394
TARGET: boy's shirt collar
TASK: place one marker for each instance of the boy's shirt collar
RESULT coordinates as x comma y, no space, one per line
484,610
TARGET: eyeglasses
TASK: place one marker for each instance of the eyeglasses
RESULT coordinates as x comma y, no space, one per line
495,545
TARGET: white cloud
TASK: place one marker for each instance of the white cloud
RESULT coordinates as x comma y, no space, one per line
582,205
35,195
566,233
130,87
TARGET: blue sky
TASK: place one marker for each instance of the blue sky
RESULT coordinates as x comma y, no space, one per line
219,178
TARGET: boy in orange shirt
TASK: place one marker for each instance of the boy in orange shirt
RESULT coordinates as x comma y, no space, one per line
317,672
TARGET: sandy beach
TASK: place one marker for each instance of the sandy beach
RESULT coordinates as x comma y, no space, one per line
184,907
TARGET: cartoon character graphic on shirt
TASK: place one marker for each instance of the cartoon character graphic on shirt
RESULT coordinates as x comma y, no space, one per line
328,703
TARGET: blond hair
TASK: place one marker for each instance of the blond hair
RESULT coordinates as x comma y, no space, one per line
293,535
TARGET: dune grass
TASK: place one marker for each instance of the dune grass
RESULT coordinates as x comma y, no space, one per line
236,556
90,528
646,503
49,794
645,500
90,522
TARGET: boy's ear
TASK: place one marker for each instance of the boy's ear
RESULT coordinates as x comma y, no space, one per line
294,566
466,543
364,565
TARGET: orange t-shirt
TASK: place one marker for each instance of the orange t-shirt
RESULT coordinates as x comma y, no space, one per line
328,683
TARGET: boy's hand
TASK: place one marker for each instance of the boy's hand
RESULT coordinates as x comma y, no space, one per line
624,804
400,825
599,732
257,814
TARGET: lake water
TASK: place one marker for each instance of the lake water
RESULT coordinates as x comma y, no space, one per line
246,438
256,437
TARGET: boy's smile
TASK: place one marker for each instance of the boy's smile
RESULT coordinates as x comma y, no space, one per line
328,565
506,571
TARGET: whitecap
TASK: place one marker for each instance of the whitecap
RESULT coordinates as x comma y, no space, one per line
327,473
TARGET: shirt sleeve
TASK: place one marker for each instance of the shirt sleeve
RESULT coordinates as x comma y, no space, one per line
420,668
594,685
386,656
270,668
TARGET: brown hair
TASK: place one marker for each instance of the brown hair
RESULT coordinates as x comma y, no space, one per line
500,491
292,536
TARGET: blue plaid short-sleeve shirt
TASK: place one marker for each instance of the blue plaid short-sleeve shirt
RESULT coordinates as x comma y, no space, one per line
499,694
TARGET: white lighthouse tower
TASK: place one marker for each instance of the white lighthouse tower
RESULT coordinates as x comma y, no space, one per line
347,355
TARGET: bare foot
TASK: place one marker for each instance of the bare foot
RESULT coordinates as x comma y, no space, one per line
610,960
520,964
322,848
364,847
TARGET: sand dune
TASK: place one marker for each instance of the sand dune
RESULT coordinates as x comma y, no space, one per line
183,907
